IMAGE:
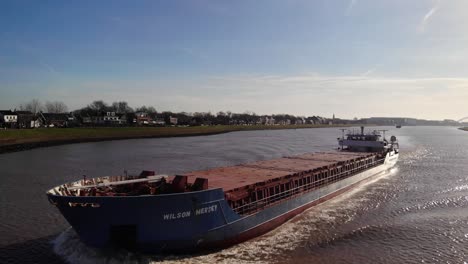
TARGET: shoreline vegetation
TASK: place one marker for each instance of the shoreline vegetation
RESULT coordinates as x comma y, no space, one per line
13,140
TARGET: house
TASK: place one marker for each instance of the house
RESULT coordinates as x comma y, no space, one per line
35,123
317,120
86,120
109,118
126,118
57,119
173,120
8,119
265,120
142,118
300,121
26,119
159,121
284,122
269,120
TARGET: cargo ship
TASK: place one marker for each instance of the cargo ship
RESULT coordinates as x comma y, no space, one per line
219,207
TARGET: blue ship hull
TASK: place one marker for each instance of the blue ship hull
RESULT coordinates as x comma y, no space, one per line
186,222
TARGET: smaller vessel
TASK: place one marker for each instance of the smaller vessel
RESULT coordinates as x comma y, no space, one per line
398,126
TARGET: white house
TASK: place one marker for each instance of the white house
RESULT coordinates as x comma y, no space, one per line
173,120
8,118
109,118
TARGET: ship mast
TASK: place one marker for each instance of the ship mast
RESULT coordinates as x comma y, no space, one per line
383,132
342,137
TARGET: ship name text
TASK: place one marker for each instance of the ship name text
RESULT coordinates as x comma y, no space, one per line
185,214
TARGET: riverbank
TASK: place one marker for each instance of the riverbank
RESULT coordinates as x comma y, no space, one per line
23,139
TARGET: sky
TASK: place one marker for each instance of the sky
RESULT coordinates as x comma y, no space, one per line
351,58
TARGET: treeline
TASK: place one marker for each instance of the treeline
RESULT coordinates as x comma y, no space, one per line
99,108
35,106
184,118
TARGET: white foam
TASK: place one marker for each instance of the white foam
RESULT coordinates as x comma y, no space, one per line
68,245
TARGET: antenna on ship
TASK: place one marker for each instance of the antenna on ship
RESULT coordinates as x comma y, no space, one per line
342,132
342,137
383,131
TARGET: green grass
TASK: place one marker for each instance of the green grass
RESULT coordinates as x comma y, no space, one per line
21,136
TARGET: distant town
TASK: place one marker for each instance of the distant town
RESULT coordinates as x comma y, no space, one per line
35,114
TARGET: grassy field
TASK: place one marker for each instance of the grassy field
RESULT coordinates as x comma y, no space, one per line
26,136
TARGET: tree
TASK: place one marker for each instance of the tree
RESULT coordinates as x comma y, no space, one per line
56,107
183,118
121,107
151,110
130,118
85,111
146,109
34,106
222,118
98,106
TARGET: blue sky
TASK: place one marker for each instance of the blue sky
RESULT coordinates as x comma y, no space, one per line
353,58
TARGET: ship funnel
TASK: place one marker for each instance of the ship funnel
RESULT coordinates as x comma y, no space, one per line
362,130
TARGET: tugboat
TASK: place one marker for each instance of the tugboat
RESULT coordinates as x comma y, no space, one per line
219,207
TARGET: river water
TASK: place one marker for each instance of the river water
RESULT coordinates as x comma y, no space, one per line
416,213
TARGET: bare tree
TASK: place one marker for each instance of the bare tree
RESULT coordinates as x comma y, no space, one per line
34,106
56,107
121,107
21,107
147,109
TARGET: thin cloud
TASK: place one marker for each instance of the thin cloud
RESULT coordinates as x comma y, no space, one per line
427,17
193,53
369,71
351,4
36,58
120,21
301,94
48,67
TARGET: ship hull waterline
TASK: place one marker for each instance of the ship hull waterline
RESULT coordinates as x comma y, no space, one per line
189,222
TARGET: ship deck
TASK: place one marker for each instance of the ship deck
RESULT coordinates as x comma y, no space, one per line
234,177
236,180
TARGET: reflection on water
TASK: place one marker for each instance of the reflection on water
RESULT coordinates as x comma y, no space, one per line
415,213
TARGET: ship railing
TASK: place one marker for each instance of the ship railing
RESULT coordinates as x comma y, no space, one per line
122,182
259,204
77,188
